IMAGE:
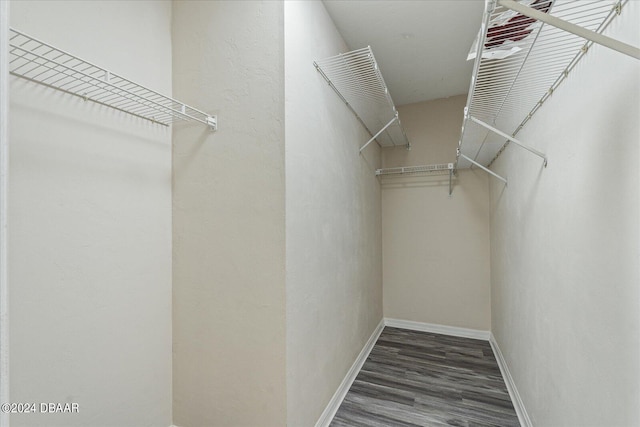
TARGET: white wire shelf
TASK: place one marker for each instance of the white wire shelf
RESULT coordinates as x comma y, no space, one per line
39,62
420,171
505,93
437,169
356,78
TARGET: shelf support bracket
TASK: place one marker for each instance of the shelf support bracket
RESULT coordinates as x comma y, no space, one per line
212,122
510,138
379,132
603,40
487,170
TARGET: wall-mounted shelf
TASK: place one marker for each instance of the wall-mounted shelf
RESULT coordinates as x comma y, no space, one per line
424,170
438,169
356,78
523,52
34,60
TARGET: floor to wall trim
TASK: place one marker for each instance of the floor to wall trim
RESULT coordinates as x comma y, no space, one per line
438,329
523,417
335,402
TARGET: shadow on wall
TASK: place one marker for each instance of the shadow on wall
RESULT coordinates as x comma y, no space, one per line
196,150
81,115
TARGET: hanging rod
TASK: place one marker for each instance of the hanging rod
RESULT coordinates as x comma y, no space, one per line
519,63
357,80
39,62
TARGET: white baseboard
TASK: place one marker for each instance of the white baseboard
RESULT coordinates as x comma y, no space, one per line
438,329
332,407
523,417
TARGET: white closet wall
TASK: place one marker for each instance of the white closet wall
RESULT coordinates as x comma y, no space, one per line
435,247
334,259
89,225
565,245
229,216
235,279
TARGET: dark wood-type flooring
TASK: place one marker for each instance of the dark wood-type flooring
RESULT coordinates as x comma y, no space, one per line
424,379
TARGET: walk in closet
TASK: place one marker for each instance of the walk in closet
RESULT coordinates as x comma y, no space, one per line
319,213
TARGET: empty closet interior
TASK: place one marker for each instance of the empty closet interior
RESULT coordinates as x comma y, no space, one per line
212,209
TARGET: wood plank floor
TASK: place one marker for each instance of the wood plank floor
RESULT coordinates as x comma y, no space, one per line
424,379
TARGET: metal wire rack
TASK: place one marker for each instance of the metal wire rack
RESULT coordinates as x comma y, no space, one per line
547,38
424,170
356,78
36,61
436,169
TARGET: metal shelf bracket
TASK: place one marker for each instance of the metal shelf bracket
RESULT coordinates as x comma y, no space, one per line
487,170
379,132
212,122
510,138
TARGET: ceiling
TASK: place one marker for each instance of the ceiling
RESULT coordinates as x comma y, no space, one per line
421,46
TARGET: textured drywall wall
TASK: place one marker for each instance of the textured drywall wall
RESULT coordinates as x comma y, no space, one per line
229,221
90,226
565,246
334,278
4,169
435,247
433,127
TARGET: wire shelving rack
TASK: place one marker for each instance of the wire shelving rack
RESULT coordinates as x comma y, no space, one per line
420,171
356,78
550,37
42,63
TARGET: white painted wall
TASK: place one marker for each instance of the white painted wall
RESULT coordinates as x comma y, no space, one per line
90,221
565,246
334,292
435,247
229,216
433,127
4,186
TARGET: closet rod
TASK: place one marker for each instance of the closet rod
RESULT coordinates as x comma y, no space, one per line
601,39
